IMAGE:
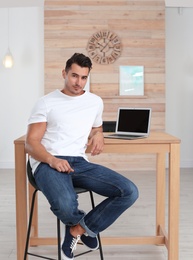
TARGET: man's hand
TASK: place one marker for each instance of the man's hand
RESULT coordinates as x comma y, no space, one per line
97,143
60,165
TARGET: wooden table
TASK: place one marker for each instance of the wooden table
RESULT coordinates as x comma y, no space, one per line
159,143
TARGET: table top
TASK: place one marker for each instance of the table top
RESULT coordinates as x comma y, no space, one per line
153,138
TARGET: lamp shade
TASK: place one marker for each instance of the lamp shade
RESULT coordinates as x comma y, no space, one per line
8,60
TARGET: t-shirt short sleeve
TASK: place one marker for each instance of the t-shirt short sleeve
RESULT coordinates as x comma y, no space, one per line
39,113
98,120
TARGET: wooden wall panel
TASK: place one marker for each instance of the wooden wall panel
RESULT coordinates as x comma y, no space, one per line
140,25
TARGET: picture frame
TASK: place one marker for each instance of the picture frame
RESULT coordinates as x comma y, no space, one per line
131,80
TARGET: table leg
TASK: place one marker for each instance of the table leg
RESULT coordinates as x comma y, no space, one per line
174,197
160,193
21,198
34,225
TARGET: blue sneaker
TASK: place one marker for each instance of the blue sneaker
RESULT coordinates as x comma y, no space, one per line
91,242
69,245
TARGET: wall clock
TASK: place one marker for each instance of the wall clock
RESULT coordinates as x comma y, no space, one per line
104,47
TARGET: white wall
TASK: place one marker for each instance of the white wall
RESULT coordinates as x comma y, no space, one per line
179,79
21,86
24,83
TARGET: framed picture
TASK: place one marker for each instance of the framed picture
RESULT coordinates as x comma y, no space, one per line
131,80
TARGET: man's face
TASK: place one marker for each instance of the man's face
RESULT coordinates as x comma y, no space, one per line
75,80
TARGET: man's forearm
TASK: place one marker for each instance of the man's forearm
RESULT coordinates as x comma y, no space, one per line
96,130
38,152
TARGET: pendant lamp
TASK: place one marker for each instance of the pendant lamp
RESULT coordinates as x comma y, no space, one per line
8,59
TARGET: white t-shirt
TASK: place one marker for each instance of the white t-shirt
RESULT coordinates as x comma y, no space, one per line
69,122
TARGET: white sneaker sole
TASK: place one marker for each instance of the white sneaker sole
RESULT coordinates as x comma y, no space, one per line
64,257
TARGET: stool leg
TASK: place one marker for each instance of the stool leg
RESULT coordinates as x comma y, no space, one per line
100,247
59,240
99,239
29,224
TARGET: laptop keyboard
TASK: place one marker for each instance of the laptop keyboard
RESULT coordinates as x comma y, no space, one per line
124,136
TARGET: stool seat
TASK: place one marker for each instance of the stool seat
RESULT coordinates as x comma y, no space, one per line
78,191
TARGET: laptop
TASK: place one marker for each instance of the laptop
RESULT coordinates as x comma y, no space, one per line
132,123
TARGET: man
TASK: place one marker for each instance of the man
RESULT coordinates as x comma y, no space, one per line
62,125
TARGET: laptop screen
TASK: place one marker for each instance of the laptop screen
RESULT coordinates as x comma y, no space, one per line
133,121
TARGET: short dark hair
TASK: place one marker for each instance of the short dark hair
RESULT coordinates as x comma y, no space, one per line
79,59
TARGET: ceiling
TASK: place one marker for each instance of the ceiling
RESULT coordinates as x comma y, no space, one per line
28,3
179,3
21,3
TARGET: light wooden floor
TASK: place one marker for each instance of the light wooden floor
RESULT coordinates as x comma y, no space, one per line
138,220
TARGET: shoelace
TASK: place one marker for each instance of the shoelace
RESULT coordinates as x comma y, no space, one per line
74,243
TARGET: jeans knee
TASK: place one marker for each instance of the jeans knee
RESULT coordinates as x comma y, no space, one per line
135,192
64,210
132,193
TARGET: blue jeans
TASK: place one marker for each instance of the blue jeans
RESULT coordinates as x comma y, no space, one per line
119,192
